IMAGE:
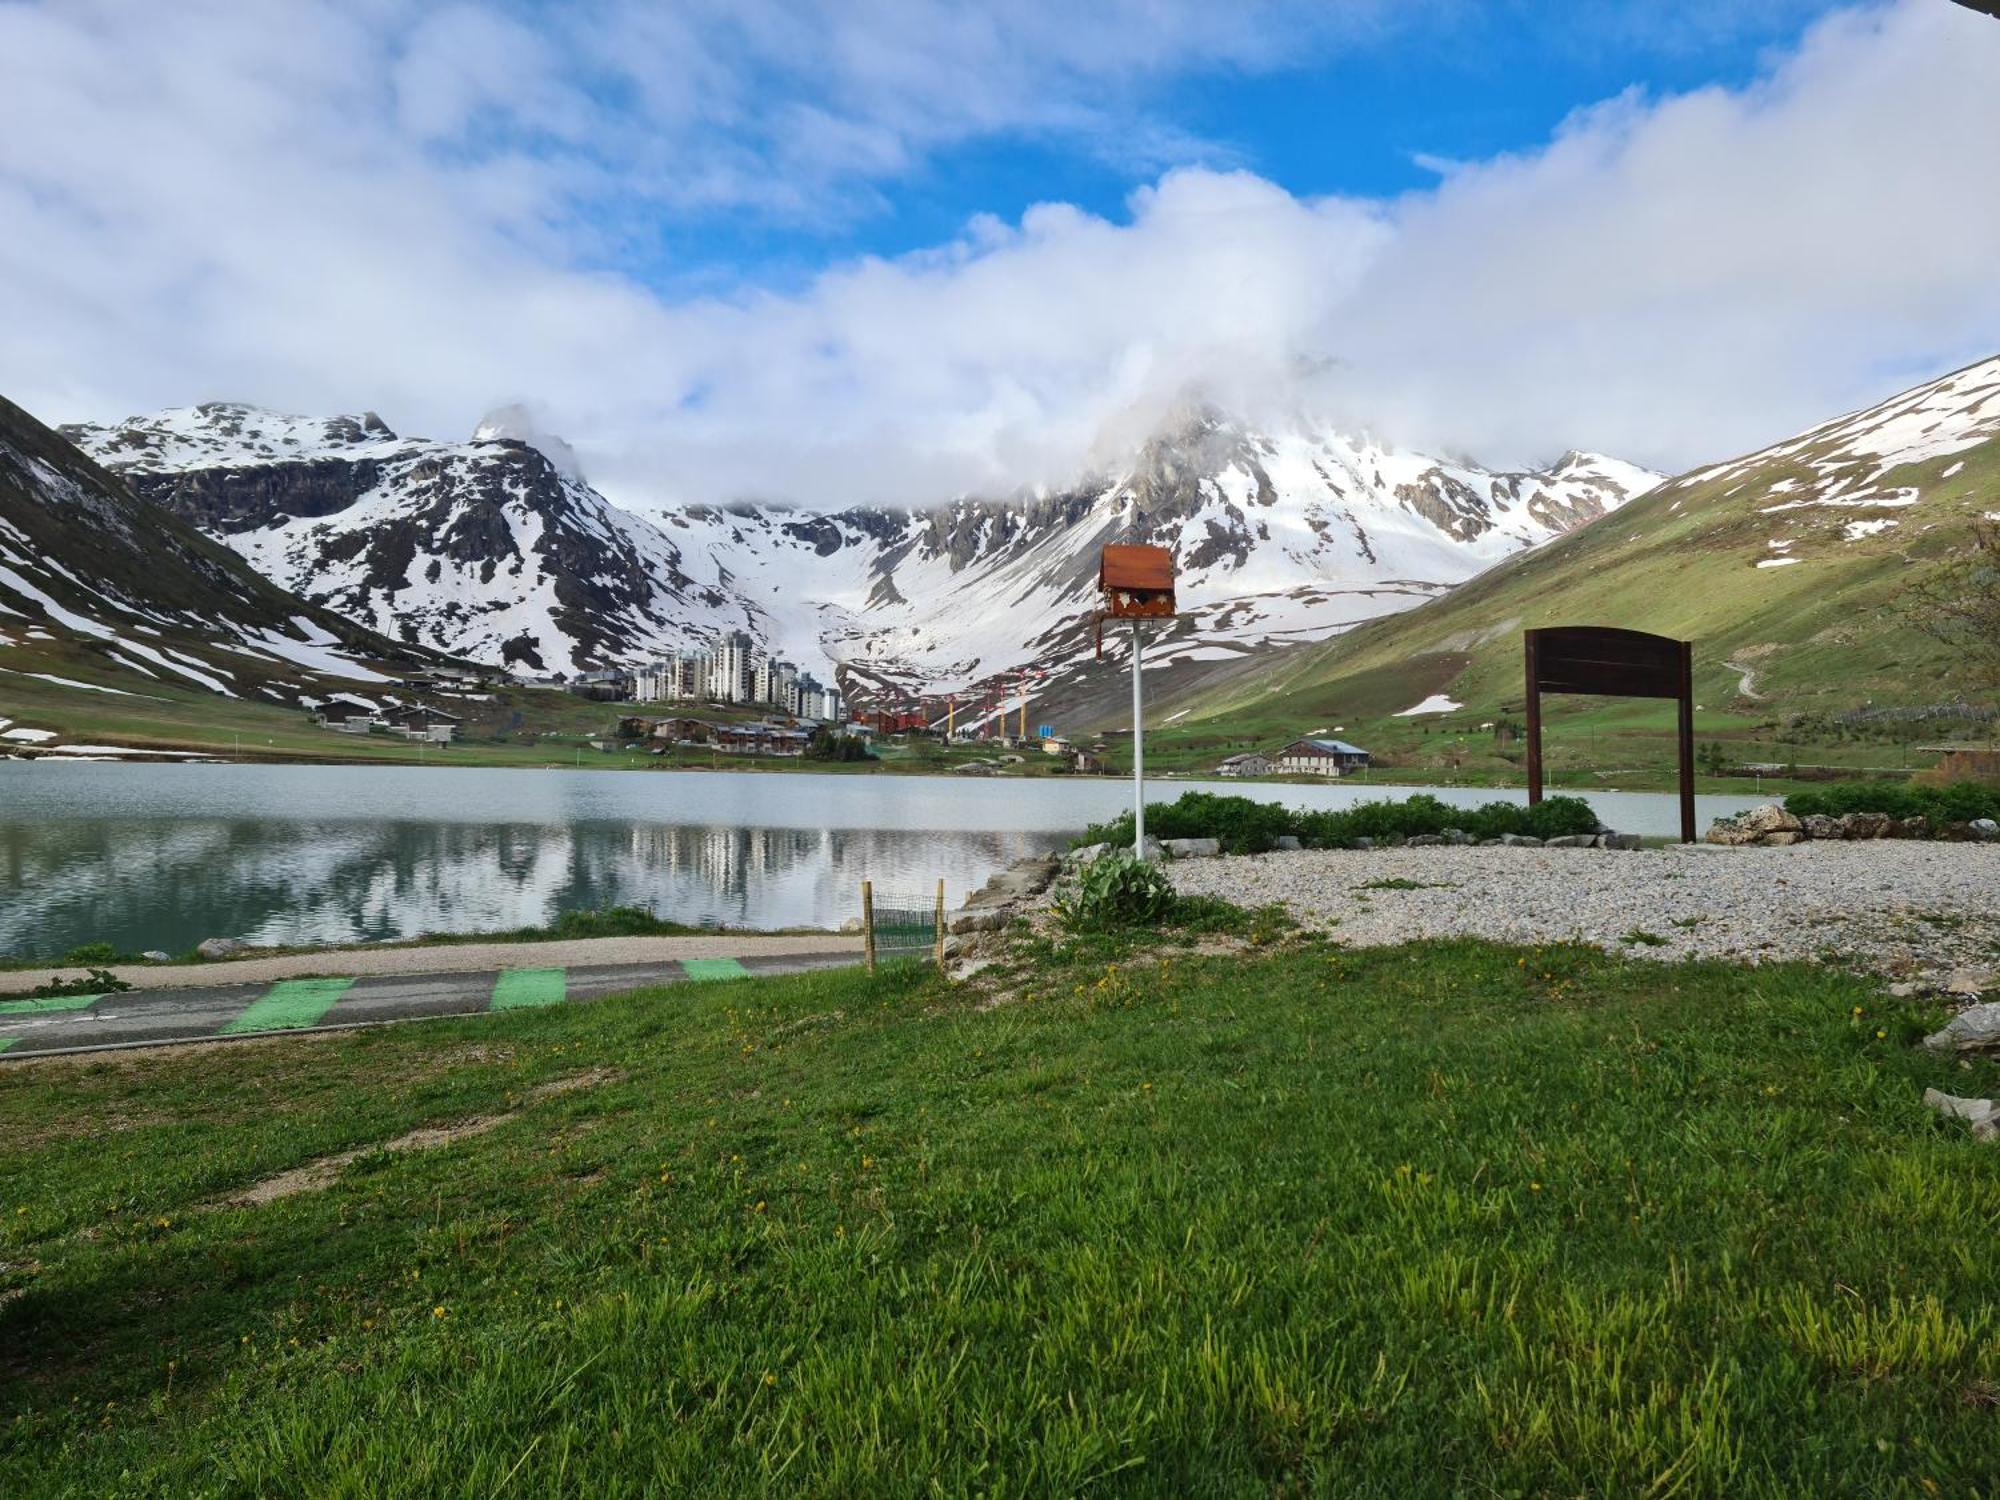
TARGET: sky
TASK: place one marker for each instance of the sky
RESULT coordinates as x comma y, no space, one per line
895,250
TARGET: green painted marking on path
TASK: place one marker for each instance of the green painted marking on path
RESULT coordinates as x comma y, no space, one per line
55,1002
516,988
289,1004
714,968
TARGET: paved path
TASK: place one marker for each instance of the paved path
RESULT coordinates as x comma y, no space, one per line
211,1010
446,959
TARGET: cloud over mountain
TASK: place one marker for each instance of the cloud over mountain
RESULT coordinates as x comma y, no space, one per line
433,211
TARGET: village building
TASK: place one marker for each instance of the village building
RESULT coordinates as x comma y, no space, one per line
1248,764
1321,757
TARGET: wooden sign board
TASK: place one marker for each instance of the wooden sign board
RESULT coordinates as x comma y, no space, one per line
1604,661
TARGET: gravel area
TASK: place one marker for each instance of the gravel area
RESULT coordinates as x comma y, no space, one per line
1897,908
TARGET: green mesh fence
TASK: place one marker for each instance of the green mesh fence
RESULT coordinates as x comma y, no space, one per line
905,926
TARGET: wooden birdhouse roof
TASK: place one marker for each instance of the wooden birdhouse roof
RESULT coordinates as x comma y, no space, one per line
1136,568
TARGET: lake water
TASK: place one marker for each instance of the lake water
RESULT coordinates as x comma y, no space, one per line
162,856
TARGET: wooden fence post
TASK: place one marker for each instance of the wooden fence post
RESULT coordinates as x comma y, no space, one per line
868,921
940,927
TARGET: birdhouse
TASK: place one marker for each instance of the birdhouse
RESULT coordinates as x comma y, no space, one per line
1137,582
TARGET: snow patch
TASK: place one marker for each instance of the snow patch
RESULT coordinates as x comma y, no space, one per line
1437,703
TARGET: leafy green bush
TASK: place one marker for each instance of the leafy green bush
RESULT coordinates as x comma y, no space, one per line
1117,890
611,921
96,982
1247,827
91,953
829,746
1960,802
1243,826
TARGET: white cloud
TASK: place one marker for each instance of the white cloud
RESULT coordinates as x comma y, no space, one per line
322,206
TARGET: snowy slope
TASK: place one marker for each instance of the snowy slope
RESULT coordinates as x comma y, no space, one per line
488,549
93,575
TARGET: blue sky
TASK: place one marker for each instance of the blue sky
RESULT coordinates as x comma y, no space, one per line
894,250
1366,113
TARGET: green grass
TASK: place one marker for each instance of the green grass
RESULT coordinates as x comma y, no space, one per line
1449,1219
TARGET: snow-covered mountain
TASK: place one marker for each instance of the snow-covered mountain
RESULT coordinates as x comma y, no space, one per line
489,550
94,580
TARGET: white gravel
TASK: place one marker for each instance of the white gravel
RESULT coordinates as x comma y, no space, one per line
1894,907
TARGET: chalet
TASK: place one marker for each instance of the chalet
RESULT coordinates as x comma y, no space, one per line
346,716
1248,764
414,722
1318,757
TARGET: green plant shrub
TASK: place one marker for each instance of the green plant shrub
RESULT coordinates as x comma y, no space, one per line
91,953
610,921
96,982
1959,802
1558,817
1117,890
1246,827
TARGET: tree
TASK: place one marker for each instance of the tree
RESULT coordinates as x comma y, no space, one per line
1958,604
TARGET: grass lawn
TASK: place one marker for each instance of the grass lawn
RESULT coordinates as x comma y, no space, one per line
1449,1219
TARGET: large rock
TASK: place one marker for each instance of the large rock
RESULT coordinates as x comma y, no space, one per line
1983,1115
1866,825
1972,982
1088,854
1760,825
1573,841
1918,827
1974,1029
1984,829
1426,840
1821,826
1520,841
1457,837
1626,841
1288,843
1193,848
220,947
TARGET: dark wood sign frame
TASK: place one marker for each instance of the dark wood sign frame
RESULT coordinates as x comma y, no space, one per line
1607,662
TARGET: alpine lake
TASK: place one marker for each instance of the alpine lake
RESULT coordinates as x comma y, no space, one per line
165,855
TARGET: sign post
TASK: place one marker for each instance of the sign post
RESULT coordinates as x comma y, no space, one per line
1138,584
1607,662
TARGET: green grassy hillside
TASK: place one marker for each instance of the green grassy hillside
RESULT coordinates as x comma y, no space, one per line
1784,567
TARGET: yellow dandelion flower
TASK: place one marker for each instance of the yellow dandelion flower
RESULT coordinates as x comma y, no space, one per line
437,1312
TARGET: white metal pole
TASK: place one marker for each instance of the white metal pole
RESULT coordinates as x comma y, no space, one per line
1138,752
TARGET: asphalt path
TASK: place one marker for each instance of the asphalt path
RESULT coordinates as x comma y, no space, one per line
218,1012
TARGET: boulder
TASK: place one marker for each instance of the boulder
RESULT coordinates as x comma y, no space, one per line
1973,1029
1573,841
1972,982
1780,840
1866,825
1983,1115
1984,829
220,947
1821,826
1760,825
1087,854
1491,843
1520,841
1457,837
1361,843
1193,848
990,920
155,956
1288,843
1918,827
1425,840
1956,833
1619,841
1152,851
